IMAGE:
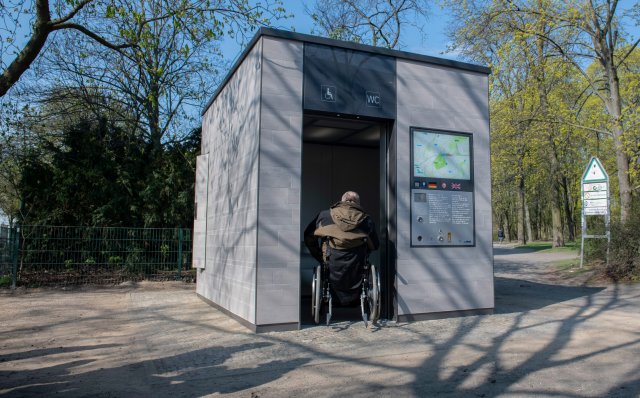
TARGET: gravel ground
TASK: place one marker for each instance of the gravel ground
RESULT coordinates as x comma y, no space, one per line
159,339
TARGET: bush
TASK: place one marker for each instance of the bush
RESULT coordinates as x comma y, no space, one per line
5,281
624,252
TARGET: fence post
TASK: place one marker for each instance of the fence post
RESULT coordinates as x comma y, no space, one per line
15,247
179,253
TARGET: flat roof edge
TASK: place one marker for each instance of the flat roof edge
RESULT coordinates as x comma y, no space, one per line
305,38
372,49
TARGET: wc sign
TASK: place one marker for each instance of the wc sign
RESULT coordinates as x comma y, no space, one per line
373,99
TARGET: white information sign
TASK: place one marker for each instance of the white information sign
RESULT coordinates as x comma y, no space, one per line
595,200
595,203
595,195
595,187
595,171
595,211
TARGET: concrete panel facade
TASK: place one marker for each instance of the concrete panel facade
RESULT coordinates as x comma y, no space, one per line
229,276
278,271
432,279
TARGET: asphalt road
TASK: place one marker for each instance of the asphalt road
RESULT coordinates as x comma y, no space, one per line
150,340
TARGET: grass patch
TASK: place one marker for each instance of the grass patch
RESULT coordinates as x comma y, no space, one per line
572,265
546,247
569,271
535,246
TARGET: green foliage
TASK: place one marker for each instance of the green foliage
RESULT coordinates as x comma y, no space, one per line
624,249
5,281
100,175
624,252
115,260
546,102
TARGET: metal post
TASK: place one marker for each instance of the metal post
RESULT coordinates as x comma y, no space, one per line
608,227
15,246
179,253
584,231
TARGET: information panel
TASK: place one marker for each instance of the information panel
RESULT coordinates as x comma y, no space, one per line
442,202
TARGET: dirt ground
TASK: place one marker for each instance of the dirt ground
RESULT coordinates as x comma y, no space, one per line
550,336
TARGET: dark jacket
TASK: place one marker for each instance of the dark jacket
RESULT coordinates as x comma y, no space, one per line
349,235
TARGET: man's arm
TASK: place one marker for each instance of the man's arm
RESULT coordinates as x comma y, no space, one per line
373,235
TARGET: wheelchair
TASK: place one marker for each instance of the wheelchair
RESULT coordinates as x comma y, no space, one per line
322,297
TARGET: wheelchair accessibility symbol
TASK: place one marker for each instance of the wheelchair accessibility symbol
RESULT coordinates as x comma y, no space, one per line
328,93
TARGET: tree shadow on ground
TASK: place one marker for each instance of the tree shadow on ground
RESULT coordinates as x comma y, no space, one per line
546,346
515,295
42,352
544,340
528,353
195,373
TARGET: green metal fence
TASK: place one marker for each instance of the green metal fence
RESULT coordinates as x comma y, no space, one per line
64,255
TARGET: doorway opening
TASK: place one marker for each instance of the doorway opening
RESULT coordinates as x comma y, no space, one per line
342,154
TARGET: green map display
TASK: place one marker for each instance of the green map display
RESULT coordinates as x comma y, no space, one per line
441,155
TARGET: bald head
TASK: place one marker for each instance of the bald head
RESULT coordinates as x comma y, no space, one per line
351,196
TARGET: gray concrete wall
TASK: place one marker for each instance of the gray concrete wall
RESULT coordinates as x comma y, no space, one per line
230,136
453,278
200,219
278,272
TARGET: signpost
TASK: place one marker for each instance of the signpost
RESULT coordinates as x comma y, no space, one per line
595,201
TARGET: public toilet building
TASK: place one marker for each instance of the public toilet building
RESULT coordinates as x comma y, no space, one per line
301,119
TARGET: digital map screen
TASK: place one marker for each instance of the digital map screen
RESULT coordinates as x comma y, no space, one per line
441,155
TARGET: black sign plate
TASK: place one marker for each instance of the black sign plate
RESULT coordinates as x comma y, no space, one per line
351,82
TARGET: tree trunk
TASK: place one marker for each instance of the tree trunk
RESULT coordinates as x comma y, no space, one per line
556,223
554,163
614,107
521,212
604,41
507,234
571,225
153,115
25,58
622,161
556,214
527,219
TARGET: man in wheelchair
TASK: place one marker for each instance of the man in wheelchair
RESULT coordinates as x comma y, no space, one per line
341,238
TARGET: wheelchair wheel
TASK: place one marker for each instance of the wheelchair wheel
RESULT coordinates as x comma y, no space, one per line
373,294
316,294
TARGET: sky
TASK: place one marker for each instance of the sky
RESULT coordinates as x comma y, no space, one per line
434,44
434,27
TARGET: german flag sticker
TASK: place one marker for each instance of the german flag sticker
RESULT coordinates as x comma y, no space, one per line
433,185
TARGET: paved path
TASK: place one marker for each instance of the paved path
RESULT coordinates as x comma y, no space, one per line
544,340
533,265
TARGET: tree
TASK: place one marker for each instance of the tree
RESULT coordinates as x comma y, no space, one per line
44,24
534,102
90,175
118,25
144,94
168,195
593,31
375,22
98,173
